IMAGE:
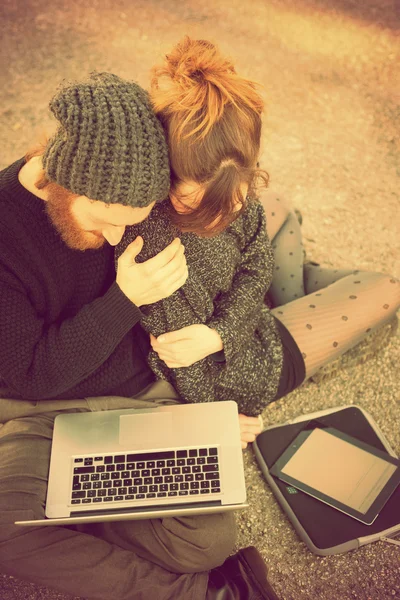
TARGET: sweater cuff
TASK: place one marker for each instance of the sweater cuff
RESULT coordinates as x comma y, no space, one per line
218,357
227,337
115,314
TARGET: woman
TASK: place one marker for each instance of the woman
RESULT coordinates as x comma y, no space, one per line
212,118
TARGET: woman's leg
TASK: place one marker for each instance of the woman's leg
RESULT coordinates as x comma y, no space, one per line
327,311
341,308
284,231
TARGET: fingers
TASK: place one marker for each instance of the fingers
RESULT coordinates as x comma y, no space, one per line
167,348
175,267
245,419
250,423
172,336
175,358
166,355
172,359
131,251
171,276
167,344
247,436
250,427
179,278
170,286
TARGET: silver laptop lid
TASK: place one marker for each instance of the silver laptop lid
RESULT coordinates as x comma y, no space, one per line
123,435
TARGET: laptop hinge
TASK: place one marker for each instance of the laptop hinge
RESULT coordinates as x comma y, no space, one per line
133,509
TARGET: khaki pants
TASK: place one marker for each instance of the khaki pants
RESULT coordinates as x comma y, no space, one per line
161,559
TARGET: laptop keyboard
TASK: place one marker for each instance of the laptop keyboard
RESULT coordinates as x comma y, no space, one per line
142,476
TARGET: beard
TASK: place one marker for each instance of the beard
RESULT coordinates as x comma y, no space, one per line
58,207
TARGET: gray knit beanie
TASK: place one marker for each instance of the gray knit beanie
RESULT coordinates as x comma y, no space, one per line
109,146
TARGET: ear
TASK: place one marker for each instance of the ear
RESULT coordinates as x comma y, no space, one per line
32,177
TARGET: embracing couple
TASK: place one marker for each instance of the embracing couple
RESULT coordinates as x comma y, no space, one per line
141,262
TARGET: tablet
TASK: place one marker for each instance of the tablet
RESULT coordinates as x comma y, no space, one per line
339,470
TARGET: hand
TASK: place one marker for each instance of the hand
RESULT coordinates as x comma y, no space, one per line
250,427
154,279
186,346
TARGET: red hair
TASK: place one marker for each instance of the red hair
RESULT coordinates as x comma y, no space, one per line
212,118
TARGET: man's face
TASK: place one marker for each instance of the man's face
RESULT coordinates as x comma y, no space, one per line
86,224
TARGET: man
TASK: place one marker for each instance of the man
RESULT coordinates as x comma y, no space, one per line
71,340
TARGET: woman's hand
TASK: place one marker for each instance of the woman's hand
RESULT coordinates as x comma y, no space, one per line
250,427
186,346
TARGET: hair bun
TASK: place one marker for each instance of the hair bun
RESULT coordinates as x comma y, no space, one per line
196,83
194,62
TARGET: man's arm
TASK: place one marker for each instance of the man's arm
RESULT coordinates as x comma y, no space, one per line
42,361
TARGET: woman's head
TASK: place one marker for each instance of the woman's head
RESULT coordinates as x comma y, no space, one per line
212,118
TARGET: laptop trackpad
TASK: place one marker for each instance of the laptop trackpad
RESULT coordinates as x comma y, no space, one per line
152,430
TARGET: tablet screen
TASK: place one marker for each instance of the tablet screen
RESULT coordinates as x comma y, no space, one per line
340,470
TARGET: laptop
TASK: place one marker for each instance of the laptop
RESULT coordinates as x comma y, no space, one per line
182,459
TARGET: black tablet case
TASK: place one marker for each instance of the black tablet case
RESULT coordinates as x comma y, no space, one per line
324,529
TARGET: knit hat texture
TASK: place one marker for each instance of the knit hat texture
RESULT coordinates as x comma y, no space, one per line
109,146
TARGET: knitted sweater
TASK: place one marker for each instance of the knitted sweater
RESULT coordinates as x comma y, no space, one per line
67,330
229,275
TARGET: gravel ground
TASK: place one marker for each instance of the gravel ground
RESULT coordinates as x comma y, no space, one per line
330,70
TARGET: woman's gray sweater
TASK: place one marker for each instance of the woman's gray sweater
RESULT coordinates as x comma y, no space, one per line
229,275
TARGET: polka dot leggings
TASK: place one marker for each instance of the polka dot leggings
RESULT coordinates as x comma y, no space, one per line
327,311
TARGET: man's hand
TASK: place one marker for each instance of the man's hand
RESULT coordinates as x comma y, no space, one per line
186,346
250,427
154,279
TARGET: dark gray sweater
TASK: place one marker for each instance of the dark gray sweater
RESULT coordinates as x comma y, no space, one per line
229,276
67,330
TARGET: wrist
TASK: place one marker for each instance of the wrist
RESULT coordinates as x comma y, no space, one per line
129,296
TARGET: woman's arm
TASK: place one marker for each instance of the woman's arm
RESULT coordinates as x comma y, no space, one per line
235,312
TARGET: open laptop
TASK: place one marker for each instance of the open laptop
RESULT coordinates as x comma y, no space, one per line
138,464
